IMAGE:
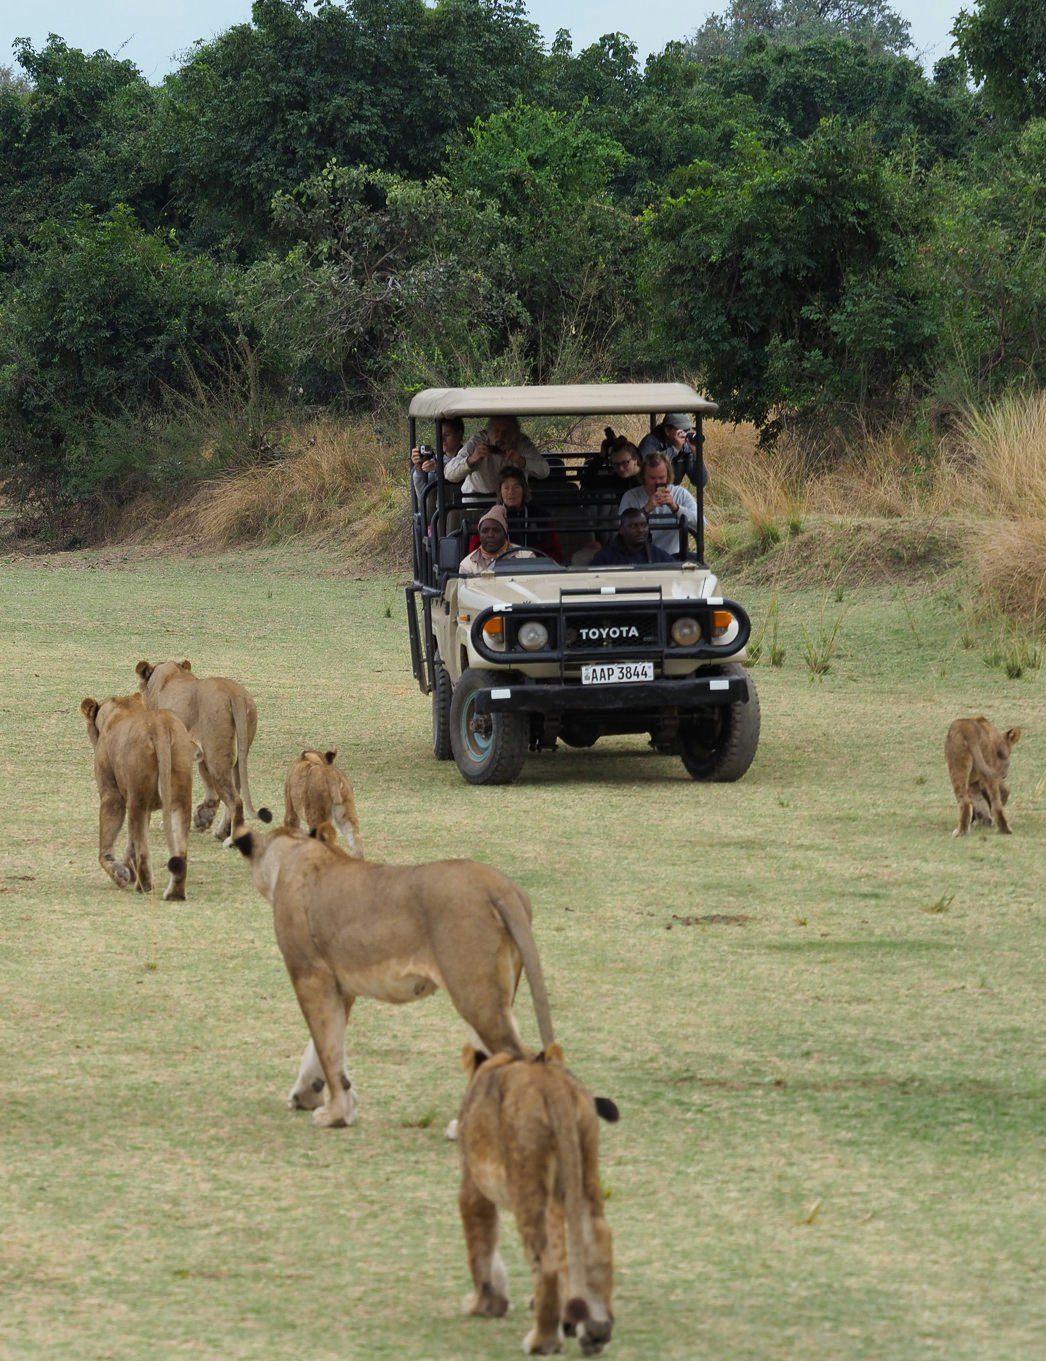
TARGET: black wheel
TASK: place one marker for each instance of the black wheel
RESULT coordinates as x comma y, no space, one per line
489,748
718,743
441,714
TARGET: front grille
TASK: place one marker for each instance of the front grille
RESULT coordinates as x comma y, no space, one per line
598,632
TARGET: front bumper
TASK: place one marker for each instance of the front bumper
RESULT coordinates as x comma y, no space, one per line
539,697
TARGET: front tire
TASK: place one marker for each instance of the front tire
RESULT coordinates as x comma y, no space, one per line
488,748
717,743
441,697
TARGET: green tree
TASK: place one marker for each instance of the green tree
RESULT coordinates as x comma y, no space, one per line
104,319
72,132
549,176
785,280
872,24
1004,44
983,266
376,273
385,83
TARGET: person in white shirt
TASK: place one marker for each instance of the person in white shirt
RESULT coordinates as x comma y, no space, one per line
663,502
479,463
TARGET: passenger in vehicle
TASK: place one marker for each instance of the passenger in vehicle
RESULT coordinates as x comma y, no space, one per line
631,544
478,464
494,544
527,525
615,467
423,470
662,502
672,437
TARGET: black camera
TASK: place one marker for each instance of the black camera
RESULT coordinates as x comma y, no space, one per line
426,451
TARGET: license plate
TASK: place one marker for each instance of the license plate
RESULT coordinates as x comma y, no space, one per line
605,673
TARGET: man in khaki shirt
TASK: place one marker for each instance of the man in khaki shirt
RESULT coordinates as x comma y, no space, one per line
494,543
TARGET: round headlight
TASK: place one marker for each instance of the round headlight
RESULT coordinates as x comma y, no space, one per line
686,632
533,636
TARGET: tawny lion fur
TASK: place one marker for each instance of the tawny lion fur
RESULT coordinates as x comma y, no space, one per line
317,791
351,928
142,761
978,757
222,719
529,1141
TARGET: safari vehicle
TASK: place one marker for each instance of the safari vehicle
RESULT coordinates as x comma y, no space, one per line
533,651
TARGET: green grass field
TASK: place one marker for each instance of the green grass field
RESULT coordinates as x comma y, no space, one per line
821,1015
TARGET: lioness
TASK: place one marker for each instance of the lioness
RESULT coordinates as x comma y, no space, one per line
529,1142
351,928
142,761
222,720
316,791
978,757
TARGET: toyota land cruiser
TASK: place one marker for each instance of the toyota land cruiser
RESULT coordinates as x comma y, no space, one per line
532,651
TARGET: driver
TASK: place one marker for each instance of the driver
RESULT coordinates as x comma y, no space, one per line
494,543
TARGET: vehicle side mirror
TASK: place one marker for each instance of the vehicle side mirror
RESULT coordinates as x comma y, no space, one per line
451,551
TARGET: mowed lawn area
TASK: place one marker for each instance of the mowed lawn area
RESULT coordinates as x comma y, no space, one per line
822,1016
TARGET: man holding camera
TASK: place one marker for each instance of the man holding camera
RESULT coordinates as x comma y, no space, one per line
661,502
478,465
672,437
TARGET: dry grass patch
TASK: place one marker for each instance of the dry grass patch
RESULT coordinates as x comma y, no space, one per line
1004,455
337,484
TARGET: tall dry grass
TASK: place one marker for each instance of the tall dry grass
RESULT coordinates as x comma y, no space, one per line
336,482
1003,449
339,483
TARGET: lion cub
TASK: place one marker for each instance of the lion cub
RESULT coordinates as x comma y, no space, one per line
316,791
978,757
529,1141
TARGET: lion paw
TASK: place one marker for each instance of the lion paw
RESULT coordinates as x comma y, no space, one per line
487,1303
204,816
535,1345
338,1115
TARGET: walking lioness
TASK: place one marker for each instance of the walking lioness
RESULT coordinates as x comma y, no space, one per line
222,720
142,761
978,757
529,1141
317,791
351,928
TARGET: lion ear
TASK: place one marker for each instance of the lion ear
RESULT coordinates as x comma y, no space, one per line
553,1053
327,833
330,755
1013,736
185,664
143,671
472,1059
89,709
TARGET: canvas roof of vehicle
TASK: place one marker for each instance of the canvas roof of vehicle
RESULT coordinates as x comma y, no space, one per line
567,399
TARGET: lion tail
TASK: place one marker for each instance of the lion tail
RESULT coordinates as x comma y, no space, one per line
165,787
982,765
239,718
515,913
563,1119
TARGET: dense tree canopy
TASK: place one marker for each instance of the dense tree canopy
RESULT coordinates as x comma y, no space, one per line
345,199
1004,44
